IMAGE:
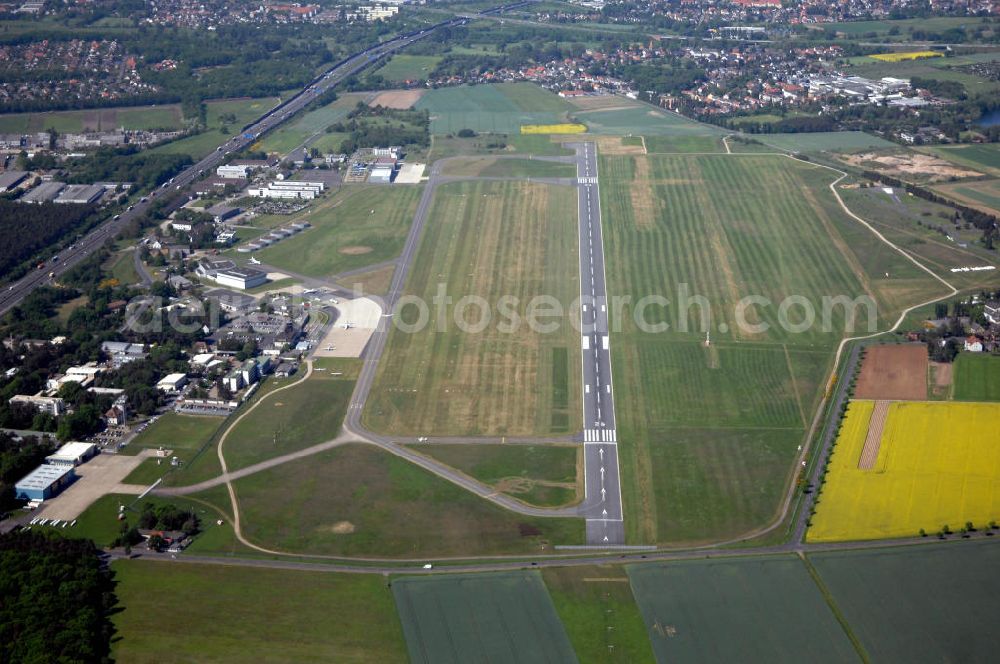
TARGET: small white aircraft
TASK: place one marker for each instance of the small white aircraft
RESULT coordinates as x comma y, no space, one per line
329,348
254,261
348,325
309,291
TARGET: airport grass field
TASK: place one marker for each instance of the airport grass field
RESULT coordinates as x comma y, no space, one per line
977,377
308,413
828,140
209,613
711,431
491,240
537,474
938,465
184,434
499,108
364,226
748,610
978,156
508,168
498,617
639,119
311,125
357,500
408,67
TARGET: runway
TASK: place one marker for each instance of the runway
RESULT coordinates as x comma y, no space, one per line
602,505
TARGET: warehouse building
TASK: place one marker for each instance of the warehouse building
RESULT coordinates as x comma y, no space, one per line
242,278
221,212
10,179
80,194
72,454
172,382
288,189
43,193
229,171
44,482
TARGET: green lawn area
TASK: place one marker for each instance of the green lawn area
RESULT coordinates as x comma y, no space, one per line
509,168
489,240
151,117
746,610
537,474
211,613
824,140
346,234
408,67
293,134
644,120
984,193
167,117
357,500
977,156
187,436
710,433
122,268
661,144
933,603
201,144
311,412
498,617
977,377
599,613
501,108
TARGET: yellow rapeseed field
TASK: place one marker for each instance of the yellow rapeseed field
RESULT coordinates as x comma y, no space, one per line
939,463
909,55
554,129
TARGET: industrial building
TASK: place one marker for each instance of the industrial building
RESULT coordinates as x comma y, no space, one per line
229,171
80,194
242,278
10,179
172,382
72,454
122,352
43,193
288,189
44,482
221,212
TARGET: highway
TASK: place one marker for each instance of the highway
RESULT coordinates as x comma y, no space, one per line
173,190
602,505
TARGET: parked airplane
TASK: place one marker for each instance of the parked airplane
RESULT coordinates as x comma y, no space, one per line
348,325
309,291
254,261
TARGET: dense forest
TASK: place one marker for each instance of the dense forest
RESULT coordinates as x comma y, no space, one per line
56,600
27,229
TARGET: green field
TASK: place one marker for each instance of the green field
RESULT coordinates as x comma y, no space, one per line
499,108
500,617
509,168
644,120
166,117
408,67
210,613
491,240
599,613
824,140
984,193
977,377
537,474
122,268
667,144
312,124
357,500
309,413
918,604
199,145
711,432
186,435
746,610
882,28
346,234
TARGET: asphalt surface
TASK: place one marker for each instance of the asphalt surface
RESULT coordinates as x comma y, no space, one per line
602,505
96,238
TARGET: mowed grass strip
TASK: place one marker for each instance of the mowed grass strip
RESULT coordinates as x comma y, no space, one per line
309,413
212,613
599,613
501,108
357,500
544,475
500,617
977,377
365,227
934,603
938,464
740,610
492,240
